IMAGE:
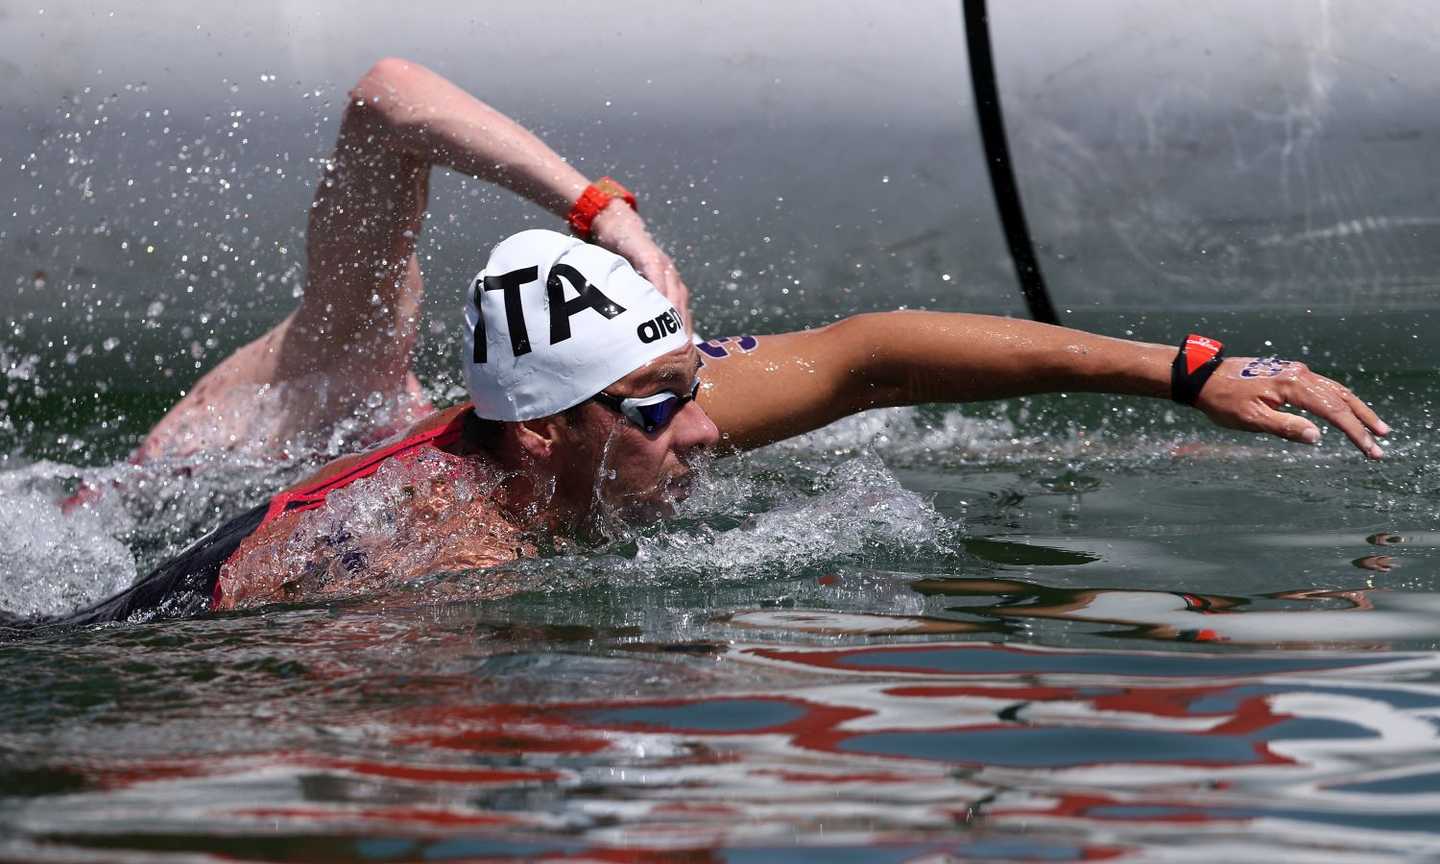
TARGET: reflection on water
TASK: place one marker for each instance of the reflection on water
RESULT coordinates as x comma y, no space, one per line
1307,616
470,741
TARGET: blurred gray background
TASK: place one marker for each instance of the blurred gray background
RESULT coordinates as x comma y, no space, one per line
801,160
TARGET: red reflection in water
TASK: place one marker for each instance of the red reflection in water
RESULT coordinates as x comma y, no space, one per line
855,737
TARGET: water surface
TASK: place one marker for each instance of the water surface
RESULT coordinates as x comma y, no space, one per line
1050,629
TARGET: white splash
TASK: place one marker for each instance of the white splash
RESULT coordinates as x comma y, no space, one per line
907,434
854,511
52,562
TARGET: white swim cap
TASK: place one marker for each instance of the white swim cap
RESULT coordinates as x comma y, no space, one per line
552,320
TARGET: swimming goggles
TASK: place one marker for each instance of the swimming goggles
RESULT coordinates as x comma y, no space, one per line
651,413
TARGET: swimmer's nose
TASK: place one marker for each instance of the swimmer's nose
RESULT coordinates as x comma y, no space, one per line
694,430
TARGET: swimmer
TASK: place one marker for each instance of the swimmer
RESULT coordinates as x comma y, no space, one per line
588,398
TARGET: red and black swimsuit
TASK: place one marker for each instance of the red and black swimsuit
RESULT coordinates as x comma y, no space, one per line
189,584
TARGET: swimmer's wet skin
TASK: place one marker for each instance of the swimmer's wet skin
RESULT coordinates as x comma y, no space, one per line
567,345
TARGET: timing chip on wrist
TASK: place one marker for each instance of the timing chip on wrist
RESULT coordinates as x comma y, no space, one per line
1197,360
594,199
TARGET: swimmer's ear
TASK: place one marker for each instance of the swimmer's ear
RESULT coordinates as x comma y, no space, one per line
539,438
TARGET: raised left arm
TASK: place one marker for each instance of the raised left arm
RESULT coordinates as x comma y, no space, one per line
792,383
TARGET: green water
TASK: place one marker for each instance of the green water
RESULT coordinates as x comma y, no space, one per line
1043,629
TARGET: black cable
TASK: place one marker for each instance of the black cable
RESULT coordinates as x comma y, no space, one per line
997,159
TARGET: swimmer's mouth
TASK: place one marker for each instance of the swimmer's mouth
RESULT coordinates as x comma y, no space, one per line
679,485
689,472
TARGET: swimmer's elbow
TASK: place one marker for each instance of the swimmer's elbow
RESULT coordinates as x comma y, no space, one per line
386,86
871,378
387,75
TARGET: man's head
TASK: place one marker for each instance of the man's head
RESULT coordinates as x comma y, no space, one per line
554,323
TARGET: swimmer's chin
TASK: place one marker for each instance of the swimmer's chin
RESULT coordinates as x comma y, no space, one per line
651,509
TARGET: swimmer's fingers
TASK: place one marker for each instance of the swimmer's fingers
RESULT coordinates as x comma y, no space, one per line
1291,427
1334,404
673,287
1366,414
1254,404
661,272
620,229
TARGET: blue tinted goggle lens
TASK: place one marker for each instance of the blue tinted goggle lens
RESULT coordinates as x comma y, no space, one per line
650,413
652,417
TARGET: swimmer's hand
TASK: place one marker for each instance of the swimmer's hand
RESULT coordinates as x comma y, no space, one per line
622,231
1248,393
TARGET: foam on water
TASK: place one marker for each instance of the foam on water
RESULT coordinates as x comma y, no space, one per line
956,436
745,521
51,562
909,433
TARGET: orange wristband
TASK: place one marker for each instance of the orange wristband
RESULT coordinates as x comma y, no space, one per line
594,199
1197,360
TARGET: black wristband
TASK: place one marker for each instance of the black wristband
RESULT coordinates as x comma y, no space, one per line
1198,359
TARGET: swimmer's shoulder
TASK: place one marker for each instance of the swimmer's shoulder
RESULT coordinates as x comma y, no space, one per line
434,430
260,569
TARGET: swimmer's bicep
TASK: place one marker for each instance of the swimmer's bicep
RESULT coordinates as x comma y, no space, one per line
762,389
